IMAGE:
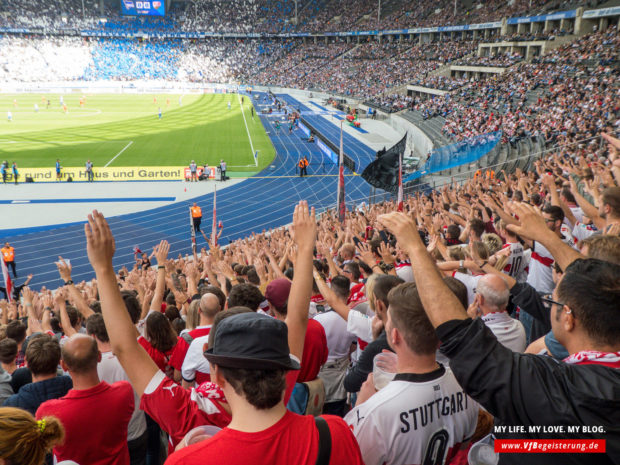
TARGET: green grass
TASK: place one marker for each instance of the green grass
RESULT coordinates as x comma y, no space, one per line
201,129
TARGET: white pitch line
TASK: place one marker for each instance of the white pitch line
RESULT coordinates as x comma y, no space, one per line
247,129
115,156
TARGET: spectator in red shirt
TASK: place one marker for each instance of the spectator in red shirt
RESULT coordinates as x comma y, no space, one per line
95,414
160,341
315,343
208,309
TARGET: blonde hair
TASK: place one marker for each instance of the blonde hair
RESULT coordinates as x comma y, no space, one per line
192,320
456,252
369,290
493,242
24,440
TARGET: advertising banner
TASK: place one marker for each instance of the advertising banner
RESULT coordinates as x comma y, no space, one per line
123,173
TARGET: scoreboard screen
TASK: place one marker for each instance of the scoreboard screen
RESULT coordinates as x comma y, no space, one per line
143,7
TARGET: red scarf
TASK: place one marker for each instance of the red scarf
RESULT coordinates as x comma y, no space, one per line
590,357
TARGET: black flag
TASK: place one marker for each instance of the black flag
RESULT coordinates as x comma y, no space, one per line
383,172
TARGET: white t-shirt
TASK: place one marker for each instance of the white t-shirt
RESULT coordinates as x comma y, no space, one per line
517,262
583,231
577,213
508,331
195,360
360,325
540,275
339,340
412,418
110,370
471,282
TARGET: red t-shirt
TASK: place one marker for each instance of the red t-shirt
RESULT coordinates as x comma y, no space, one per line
161,359
178,410
179,351
315,352
95,422
292,440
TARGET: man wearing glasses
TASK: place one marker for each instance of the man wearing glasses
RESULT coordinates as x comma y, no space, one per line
524,390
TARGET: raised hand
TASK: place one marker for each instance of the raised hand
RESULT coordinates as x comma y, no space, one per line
99,241
303,229
28,295
160,251
402,227
60,297
531,224
386,254
366,255
64,269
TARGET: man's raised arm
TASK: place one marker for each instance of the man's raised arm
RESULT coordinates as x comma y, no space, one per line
439,301
304,235
139,367
532,226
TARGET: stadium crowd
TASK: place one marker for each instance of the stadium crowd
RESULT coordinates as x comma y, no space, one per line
409,332
507,265
264,16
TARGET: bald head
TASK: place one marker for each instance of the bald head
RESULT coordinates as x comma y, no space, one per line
209,305
80,354
494,292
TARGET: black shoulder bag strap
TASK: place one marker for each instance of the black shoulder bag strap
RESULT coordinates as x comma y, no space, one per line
325,441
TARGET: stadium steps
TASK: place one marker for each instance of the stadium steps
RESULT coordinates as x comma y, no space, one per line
444,70
431,127
533,95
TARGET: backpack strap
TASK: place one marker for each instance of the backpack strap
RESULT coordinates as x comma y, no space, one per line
325,441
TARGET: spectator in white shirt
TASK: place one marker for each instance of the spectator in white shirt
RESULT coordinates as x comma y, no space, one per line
339,342
490,304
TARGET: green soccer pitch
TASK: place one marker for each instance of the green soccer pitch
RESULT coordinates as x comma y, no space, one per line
125,130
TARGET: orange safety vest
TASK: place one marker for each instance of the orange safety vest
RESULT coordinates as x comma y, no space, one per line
8,253
196,212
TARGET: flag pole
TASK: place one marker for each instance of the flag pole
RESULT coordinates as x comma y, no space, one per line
193,232
8,283
342,208
214,225
400,183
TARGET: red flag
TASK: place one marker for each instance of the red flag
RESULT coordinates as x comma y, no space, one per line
400,183
342,207
8,284
192,230
214,226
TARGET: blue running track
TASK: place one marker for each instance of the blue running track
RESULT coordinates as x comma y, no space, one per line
261,202
357,150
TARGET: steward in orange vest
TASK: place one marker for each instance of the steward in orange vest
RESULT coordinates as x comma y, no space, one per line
196,216
303,167
8,255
